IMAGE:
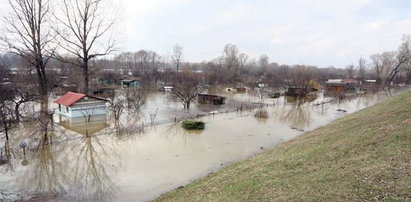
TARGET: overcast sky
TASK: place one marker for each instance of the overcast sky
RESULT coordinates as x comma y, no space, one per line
312,32
316,32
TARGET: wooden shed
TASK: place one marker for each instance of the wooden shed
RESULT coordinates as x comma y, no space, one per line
210,99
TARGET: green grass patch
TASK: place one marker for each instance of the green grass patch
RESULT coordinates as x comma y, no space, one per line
193,125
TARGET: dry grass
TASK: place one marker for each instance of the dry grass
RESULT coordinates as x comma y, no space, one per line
364,156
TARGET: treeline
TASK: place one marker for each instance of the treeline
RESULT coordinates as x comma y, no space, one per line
70,38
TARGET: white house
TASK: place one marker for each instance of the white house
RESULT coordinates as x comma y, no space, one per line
74,105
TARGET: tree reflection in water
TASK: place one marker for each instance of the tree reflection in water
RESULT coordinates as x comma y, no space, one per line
78,170
45,175
297,114
92,170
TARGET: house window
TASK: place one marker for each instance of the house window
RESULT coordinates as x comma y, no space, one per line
59,107
67,110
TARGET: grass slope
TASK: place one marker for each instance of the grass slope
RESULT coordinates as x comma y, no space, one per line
364,156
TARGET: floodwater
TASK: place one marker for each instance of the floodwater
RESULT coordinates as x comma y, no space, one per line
95,162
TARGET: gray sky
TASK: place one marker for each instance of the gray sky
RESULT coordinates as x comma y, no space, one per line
312,32
316,32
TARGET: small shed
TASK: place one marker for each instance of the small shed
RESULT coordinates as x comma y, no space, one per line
210,99
128,83
105,81
370,82
240,89
167,88
236,90
341,85
74,105
296,92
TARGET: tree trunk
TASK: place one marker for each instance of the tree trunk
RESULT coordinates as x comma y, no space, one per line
44,104
16,112
188,105
42,79
86,77
7,135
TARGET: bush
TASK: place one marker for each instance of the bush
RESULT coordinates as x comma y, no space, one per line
262,114
193,125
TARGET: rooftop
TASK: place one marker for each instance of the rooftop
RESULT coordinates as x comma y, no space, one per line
69,98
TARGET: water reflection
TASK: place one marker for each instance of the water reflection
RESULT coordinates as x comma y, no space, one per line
297,114
94,164
80,169
80,126
46,174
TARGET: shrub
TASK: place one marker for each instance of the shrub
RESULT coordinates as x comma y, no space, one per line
193,125
262,114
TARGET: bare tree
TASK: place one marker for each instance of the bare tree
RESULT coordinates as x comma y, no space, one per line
350,71
7,118
88,23
242,60
28,35
401,60
362,68
134,99
117,104
186,87
177,56
263,63
230,56
377,65
302,77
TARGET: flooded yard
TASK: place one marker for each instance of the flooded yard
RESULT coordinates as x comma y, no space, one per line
94,162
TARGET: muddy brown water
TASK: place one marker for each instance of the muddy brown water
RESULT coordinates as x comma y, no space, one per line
108,166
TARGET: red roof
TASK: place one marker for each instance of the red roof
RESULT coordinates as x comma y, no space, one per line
69,98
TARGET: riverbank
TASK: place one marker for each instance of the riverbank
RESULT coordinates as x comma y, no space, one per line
363,156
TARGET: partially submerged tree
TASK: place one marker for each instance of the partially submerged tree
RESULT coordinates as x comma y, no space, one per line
28,34
134,99
88,23
301,76
7,118
117,104
186,87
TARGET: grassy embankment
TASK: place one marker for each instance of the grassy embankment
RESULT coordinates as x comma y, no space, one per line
363,156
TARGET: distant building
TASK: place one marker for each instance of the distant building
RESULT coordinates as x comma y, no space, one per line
104,81
126,83
74,105
210,99
236,90
340,85
168,88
